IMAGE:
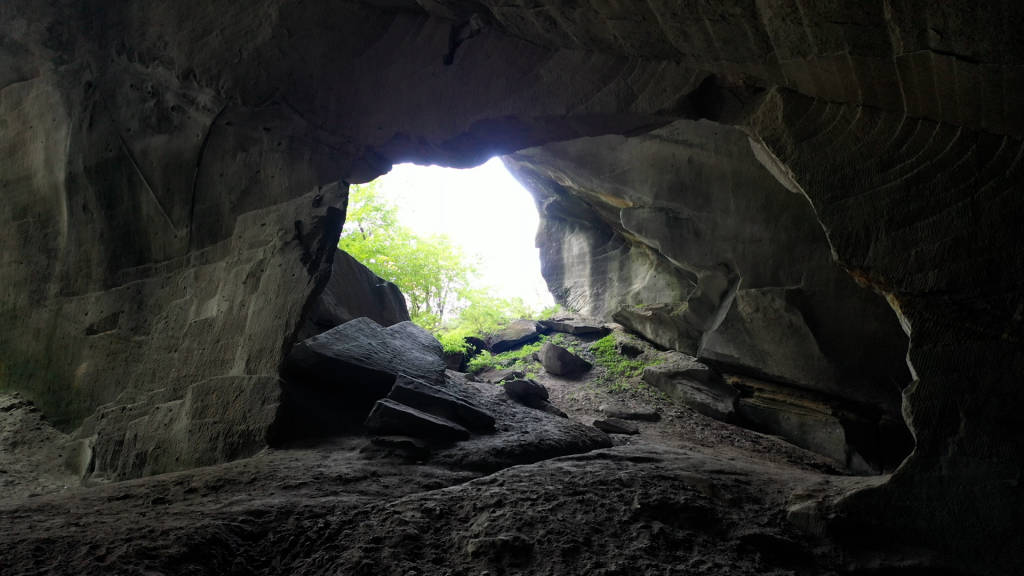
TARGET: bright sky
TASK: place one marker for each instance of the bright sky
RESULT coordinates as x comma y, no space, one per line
485,211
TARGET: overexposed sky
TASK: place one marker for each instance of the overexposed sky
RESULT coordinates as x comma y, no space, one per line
485,211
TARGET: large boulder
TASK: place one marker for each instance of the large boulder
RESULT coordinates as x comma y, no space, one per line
515,335
334,378
688,381
561,362
353,291
364,346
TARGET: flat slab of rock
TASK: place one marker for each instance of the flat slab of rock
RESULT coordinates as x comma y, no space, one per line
561,362
575,326
515,335
434,400
402,348
643,415
391,418
685,380
616,426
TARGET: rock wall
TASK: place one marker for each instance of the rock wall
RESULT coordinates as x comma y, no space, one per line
736,269
171,192
157,155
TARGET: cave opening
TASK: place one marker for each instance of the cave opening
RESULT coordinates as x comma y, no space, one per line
714,277
458,243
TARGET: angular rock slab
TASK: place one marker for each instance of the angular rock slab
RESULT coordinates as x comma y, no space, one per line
561,362
516,334
433,400
616,426
353,291
685,380
531,394
402,348
391,418
575,326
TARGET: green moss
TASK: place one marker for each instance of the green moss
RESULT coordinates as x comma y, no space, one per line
621,373
519,359
454,343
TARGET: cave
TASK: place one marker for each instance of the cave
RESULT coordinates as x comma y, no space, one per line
817,203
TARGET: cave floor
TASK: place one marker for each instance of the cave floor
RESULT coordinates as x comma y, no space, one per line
688,495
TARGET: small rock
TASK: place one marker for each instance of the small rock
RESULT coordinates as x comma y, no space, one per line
616,426
649,415
500,376
391,418
561,362
525,391
532,394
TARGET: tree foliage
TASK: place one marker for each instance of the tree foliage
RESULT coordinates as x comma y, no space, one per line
431,271
435,275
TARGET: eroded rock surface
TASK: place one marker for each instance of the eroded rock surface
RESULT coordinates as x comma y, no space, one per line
174,182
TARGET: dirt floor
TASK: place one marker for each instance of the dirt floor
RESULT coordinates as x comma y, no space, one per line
543,495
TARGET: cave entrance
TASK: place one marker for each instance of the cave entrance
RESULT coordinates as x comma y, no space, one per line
457,242
722,277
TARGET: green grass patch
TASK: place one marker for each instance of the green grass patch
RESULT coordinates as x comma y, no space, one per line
518,359
621,373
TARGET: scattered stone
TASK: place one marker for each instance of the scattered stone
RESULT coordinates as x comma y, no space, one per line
433,400
561,362
499,376
530,393
526,391
684,379
648,415
391,418
515,335
616,426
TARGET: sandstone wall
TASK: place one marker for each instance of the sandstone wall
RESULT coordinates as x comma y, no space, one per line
145,143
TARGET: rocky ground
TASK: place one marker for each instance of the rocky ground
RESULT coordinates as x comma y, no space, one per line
541,495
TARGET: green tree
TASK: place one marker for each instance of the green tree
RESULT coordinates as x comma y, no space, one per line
431,271
435,275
